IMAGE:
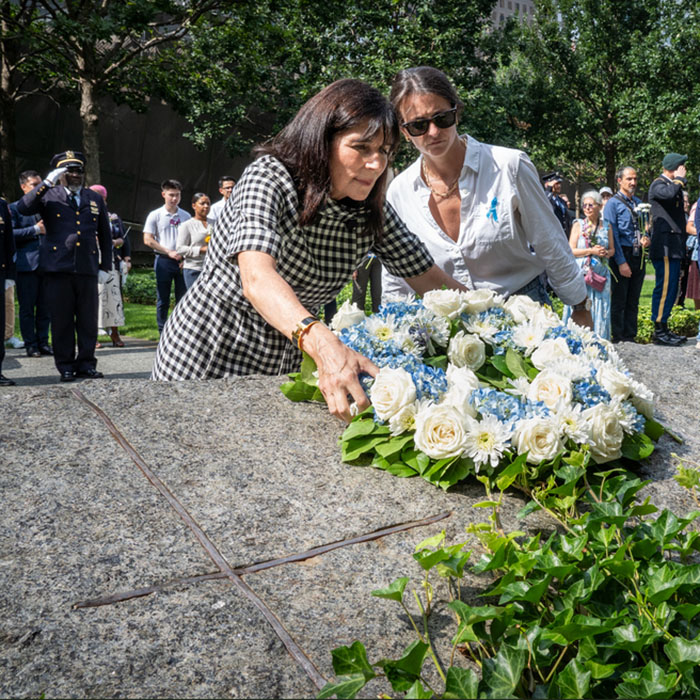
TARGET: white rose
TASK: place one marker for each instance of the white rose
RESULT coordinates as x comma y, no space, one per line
540,437
466,351
606,433
642,398
347,315
461,381
521,307
440,431
391,391
551,388
481,299
614,382
549,351
448,303
545,318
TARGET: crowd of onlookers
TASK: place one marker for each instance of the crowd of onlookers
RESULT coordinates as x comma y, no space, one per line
612,240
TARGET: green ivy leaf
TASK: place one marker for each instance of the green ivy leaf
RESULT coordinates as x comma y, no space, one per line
683,654
394,591
663,583
461,683
346,687
501,674
651,682
637,447
417,691
349,661
358,427
600,671
404,672
574,680
355,448
653,429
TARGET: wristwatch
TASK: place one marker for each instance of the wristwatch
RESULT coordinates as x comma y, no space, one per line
301,328
585,305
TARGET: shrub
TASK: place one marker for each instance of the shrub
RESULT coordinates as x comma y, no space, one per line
140,288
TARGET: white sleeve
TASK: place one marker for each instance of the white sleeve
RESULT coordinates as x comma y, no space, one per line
151,225
545,234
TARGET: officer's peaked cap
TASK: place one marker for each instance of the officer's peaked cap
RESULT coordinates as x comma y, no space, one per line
67,159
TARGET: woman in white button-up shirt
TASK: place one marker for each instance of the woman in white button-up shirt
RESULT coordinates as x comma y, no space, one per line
480,209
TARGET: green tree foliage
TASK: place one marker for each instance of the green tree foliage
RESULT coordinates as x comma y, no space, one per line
94,48
594,83
246,71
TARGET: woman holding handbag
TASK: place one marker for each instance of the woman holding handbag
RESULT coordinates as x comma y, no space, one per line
592,244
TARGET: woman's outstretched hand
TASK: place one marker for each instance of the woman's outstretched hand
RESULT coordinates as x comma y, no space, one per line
339,368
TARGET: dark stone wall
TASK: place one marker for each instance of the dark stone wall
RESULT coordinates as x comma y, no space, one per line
137,152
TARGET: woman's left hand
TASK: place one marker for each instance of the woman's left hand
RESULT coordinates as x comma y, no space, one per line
582,318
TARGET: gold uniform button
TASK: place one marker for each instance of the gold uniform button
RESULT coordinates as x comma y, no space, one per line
54,248
58,216
78,243
77,222
78,232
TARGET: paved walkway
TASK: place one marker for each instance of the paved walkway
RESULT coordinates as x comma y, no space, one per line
133,361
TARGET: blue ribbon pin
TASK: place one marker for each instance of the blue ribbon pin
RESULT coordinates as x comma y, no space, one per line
492,213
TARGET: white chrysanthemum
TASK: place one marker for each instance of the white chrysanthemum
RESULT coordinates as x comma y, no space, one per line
626,414
448,303
481,327
540,437
404,419
642,398
481,299
466,350
551,388
347,315
407,342
486,441
528,336
614,382
520,386
573,424
438,327
570,367
461,382
549,351
391,391
521,307
606,433
440,431
384,328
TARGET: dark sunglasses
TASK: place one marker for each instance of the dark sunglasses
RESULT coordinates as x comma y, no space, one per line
75,170
442,120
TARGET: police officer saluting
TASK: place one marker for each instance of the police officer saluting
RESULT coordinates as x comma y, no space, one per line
76,222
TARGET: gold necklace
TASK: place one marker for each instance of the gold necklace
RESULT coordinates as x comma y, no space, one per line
428,176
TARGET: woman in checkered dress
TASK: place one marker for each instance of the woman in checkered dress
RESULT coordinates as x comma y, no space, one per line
298,223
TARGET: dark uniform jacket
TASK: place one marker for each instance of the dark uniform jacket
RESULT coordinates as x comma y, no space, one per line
7,245
561,212
668,218
72,236
27,240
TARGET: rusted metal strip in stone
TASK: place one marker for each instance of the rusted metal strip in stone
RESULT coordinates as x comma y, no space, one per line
293,648
260,566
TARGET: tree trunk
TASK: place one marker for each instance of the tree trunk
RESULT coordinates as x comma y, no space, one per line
89,116
7,124
611,166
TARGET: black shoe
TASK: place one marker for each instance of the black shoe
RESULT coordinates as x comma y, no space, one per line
45,350
32,352
89,374
67,376
6,381
663,338
682,338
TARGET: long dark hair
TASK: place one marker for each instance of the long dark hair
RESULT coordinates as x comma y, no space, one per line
304,145
423,80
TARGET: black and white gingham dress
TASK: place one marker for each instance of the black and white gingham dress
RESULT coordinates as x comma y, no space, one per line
214,331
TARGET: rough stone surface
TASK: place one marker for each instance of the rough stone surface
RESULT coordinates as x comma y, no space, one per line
263,479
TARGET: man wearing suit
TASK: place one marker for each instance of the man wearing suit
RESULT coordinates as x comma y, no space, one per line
76,223
7,273
667,244
29,232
